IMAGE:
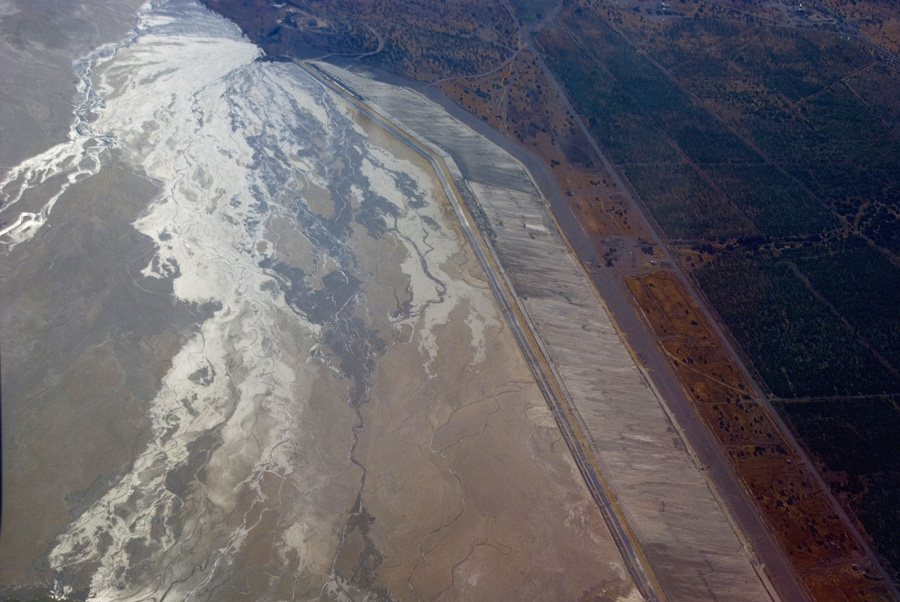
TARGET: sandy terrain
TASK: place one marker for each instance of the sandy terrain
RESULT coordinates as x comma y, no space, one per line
683,537
255,359
469,481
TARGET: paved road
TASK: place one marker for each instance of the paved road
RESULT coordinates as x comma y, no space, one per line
640,337
733,497
656,369
633,557
728,487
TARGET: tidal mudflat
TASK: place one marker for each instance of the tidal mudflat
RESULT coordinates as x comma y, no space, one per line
248,355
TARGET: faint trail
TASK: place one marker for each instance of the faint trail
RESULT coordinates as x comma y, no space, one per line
506,61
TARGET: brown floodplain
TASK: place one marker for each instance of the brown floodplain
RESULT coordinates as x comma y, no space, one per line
792,499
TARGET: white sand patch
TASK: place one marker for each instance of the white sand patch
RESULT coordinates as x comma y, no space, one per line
633,596
71,161
435,293
182,101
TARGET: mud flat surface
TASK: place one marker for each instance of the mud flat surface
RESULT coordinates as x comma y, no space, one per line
38,42
248,355
684,535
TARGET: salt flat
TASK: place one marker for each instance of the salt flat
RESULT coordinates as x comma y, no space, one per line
254,357
684,534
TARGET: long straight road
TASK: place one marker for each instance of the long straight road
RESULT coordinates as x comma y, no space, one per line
657,490
634,559
638,334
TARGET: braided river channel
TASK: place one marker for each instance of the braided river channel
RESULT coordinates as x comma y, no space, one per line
248,354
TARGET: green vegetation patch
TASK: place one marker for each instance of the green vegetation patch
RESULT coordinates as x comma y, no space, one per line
797,63
877,511
700,135
695,48
831,156
836,146
879,88
799,345
863,286
533,11
684,204
707,141
627,134
846,134
777,205
820,106
881,224
858,437
791,63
